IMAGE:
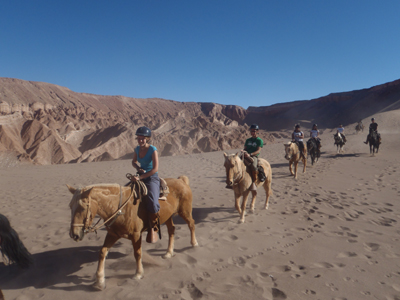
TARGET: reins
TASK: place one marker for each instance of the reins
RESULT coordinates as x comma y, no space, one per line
87,228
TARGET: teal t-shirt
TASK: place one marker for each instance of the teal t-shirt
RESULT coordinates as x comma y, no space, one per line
252,144
146,163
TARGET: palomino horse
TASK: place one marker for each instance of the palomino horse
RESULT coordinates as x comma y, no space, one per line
339,142
313,150
240,180
128,220
293,156
373,143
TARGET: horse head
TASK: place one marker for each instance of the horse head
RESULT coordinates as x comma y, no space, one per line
82,212
289,150
234,168
338,138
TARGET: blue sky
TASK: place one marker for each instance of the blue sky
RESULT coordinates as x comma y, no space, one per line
247,53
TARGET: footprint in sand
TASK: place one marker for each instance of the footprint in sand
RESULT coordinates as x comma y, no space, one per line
371,246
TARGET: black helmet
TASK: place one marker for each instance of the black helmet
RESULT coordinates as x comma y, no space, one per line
297,126
144,131
315,125
373,119
254,126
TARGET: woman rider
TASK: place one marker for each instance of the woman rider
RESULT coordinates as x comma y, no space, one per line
314,134
147,156
298,136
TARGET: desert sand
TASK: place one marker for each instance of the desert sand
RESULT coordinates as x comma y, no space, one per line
331,234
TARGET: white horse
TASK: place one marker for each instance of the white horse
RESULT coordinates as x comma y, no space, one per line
339,142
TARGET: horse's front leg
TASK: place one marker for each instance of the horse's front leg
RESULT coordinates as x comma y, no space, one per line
137,252
237,202
244,202
290,167
305,164
295,169
253,200
108,243
171,238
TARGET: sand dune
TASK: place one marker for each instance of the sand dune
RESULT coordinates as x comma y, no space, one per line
331,234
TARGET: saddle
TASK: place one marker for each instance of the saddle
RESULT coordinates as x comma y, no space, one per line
164,190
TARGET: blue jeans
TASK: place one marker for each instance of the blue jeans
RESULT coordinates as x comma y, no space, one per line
153,193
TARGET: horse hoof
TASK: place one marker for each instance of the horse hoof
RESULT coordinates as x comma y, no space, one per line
138,276
99,285
241,221
252,210
167,255
195,244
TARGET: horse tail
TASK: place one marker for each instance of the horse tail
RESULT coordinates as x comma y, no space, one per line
12,247
184,178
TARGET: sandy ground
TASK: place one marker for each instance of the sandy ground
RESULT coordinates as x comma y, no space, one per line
331,234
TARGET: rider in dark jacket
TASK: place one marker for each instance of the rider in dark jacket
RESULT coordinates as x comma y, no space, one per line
373,127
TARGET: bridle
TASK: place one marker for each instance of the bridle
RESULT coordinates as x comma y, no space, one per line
240,175
87,228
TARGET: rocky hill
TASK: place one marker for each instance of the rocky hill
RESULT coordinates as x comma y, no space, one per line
48,124
328,111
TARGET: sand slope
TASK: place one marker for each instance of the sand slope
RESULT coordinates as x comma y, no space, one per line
332,234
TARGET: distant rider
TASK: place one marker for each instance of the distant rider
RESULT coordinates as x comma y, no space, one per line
314,134
252,148
341,131
373,127
297,137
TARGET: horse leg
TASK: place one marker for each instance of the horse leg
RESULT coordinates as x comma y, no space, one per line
253,200
237,202
171,235
295,169
187,216
290,167
244,202
137,252
108,243
305,164
268,190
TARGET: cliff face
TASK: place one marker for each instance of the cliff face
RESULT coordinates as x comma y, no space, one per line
329,111
48,124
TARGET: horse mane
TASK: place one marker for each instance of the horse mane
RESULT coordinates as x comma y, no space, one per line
80,190
12,247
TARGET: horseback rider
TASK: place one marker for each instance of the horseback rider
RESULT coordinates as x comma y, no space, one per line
252,148
314,134
341,131
297,137
147,156
373,127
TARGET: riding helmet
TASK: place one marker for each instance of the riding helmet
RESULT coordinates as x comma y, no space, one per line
143,131
315,125
297,126
373,119
254,126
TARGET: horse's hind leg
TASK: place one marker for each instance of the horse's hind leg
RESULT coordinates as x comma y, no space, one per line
187,216
253,200
108,243
268,190
171,236
137,252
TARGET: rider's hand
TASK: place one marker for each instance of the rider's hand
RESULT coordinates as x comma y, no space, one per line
135,178
141,171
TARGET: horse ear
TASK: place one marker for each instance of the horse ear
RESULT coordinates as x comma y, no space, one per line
71,189
85,194
225,155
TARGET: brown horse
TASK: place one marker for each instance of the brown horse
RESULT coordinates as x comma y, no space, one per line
130,218
240,180
292,154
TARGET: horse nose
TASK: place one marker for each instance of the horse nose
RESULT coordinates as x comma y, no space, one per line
228,182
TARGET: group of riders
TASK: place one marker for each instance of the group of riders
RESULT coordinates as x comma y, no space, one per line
146,155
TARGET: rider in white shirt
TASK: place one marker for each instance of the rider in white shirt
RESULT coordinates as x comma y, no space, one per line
341,131
314,134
